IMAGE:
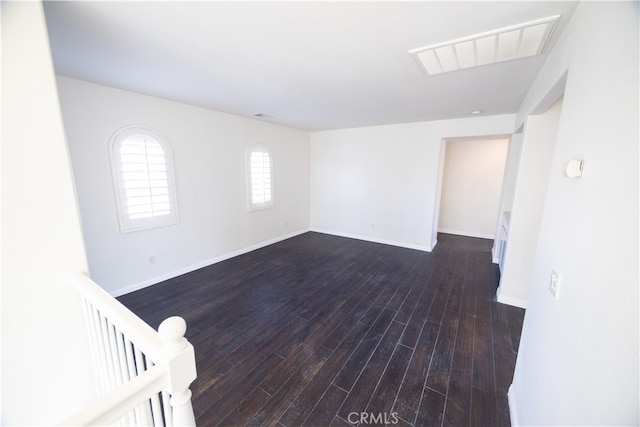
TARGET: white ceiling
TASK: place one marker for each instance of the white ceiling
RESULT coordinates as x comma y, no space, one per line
308,65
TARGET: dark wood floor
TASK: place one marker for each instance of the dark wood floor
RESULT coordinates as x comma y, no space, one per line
318,327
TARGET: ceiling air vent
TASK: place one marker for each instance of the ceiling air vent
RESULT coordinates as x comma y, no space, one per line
505,44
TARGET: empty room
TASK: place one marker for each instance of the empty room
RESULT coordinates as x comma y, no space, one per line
320,213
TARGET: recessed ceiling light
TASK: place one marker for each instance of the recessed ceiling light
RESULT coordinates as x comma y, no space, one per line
504,44
476,112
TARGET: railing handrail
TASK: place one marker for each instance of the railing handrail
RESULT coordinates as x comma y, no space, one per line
135,363
110,408
138,331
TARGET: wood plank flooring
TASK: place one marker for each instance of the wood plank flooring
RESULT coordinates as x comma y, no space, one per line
321,330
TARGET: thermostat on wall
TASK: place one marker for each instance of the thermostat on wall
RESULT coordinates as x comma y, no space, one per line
574,168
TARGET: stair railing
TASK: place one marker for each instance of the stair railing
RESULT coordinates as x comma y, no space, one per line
143,376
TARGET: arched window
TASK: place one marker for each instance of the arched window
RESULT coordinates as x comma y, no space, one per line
260,177
143,177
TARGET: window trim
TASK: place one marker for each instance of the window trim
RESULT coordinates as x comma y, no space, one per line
127,224
257,206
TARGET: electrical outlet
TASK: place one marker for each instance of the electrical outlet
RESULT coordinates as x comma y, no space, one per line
151,259
554,284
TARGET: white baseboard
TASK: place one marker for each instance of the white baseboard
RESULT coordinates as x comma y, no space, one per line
505,299
513,414
373,239
201,264
466,233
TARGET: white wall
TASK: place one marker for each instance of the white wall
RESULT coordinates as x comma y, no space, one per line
512,166
209,164
382,183
578,358
471,186
530,190
46,368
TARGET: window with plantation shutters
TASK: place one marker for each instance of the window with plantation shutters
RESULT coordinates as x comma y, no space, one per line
260,178
143,178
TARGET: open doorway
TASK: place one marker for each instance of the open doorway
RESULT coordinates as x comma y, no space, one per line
471,186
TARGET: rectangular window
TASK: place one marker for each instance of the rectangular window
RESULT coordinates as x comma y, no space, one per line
260,178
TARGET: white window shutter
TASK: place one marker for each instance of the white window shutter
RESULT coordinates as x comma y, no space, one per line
260,177
143,178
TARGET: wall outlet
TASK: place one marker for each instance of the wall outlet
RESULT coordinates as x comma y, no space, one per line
151,259
554,284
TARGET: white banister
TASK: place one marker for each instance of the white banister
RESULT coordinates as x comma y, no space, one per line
143,376
114,405
176,348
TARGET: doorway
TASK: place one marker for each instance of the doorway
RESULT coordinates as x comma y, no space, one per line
472,180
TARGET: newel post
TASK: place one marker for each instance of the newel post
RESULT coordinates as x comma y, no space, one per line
181,362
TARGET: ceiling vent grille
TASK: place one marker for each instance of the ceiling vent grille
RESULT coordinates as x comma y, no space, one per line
505,44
